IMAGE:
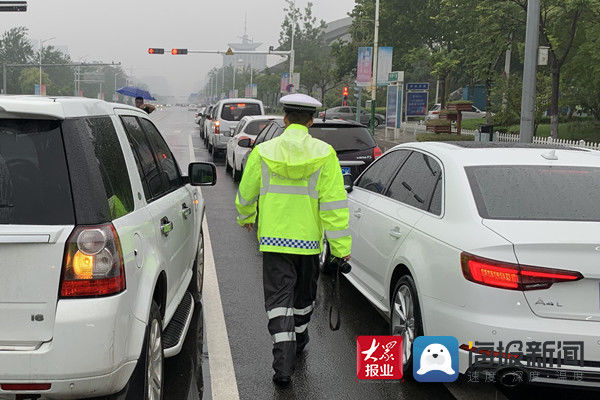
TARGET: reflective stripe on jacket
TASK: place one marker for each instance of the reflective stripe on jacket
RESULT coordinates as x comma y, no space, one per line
296,181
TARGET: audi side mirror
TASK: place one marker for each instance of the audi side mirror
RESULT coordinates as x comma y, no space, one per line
245,143
202,174
348,182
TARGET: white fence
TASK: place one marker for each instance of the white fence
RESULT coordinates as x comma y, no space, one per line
505,137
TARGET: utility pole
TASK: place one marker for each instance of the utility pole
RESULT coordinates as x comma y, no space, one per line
41,52
529,72
293,57
374,77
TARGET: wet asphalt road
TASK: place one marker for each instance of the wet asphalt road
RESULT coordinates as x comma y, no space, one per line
327,370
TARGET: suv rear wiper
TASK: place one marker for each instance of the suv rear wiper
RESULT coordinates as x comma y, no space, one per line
6,205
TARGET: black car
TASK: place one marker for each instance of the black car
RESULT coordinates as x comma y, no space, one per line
349,114
355,146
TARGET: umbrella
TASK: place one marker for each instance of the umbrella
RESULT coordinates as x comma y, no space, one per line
132,91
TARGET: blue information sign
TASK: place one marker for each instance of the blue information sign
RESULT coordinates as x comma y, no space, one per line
416,104
417,86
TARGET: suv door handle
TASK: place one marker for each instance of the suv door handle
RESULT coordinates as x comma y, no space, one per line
185,211
396,233
166,226
358,213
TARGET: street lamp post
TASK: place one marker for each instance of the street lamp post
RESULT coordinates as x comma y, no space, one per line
293,58
41,52
529,72
374,78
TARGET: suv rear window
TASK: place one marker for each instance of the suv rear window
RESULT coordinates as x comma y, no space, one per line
34,179
99,175
536,192
344,138
237,111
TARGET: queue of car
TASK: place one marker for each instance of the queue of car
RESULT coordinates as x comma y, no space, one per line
483,242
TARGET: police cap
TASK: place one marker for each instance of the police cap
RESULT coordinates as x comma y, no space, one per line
300,103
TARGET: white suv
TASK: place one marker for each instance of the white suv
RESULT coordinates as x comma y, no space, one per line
227,114
100,244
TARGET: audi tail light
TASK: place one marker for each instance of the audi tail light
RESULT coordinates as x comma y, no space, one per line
93,263
513,276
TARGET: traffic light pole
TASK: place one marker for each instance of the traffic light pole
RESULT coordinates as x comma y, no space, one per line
374,78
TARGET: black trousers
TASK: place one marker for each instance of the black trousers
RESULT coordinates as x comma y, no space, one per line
290,284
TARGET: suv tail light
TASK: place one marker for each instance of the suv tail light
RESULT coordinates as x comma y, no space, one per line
93,263
377,153
217,127
512,276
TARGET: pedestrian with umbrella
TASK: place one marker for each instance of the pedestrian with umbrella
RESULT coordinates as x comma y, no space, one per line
140,95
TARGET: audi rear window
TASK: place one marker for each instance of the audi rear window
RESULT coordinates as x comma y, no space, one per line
543,193
344,138
34,179
237,111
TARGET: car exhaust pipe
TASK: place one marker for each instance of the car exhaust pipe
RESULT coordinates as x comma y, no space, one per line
511,377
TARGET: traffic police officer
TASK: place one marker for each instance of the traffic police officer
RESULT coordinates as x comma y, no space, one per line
297,183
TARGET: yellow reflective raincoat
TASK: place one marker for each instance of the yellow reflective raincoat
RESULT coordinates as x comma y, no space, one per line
297,183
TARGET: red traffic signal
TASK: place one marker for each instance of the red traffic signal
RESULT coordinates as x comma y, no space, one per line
177,52
154,50
345,91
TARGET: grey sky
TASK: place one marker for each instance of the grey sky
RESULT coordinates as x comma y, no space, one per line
123,30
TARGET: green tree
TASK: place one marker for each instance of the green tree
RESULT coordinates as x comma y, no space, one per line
62,77
15,48
559,28
30,77
313,55
581,80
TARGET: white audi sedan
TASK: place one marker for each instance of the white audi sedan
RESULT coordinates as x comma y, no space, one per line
248,128
486,242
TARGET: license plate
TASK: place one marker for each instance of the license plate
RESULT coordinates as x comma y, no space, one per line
346,170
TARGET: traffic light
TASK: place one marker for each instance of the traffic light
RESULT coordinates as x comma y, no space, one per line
345,93
154,50
179,52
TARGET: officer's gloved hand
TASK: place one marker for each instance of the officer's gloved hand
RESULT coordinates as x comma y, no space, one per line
341,263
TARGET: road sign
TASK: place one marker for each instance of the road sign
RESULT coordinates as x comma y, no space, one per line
417,98
396,76
229,52
12,6
417,86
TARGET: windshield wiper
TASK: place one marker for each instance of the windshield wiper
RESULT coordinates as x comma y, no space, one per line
6,205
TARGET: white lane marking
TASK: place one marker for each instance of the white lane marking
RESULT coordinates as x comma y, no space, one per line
222,374
192,153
